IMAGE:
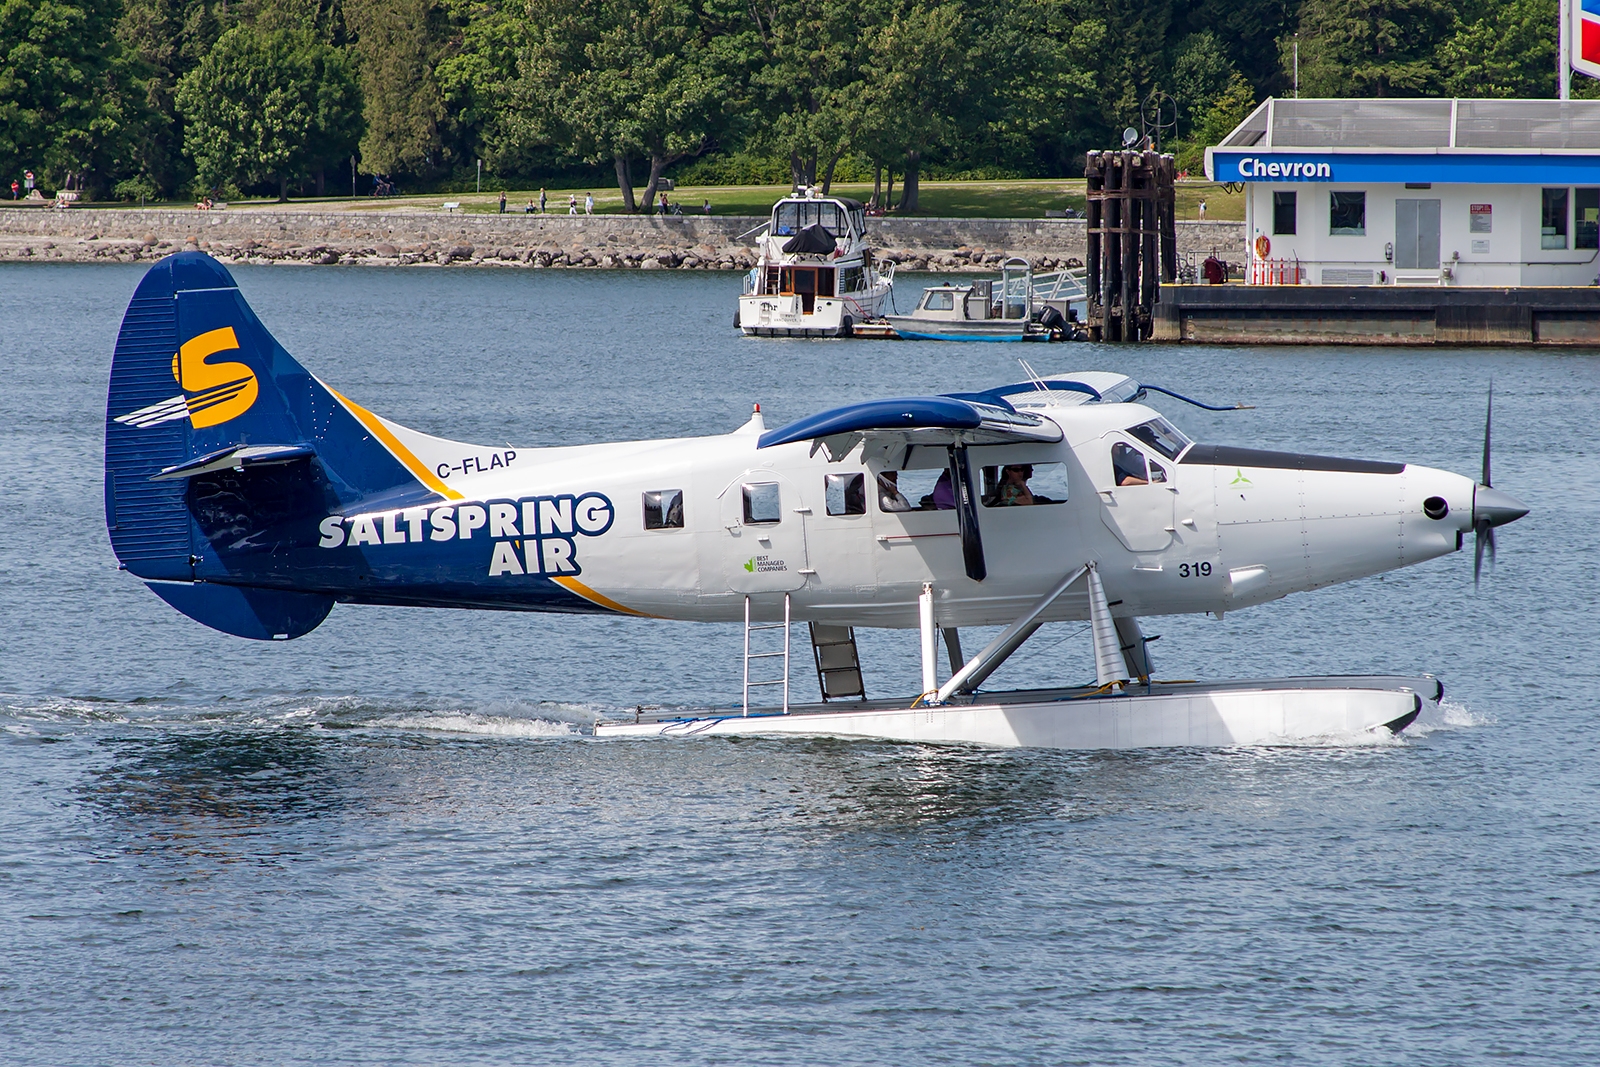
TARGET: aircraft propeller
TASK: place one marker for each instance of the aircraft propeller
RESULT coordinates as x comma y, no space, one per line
1490,507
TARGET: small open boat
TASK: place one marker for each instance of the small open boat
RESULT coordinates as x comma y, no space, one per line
1016,309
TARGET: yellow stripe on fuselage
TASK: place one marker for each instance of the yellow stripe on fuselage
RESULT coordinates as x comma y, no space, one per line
572,585
400,452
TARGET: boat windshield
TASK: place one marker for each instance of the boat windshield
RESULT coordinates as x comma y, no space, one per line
791,216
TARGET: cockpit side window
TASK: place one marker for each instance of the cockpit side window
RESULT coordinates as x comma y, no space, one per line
1158,474
1162,436
940,301
1128,465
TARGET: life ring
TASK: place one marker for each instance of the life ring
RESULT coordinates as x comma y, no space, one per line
1263,247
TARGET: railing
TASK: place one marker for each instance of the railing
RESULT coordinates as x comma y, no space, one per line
1277,272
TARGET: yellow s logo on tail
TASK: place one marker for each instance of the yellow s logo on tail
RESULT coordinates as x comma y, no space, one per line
214,392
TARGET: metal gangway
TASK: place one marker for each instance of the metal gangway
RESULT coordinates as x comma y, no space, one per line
1020,291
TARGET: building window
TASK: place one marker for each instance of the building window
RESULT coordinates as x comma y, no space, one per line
663,509
846,494
1283,205
761,503
1347,214
1553,219
1586,232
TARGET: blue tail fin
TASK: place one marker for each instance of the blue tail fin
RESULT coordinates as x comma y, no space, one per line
220,449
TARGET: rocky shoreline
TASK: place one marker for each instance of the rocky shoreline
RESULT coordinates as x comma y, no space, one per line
396,239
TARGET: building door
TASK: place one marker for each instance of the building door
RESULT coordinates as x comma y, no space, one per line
1416,235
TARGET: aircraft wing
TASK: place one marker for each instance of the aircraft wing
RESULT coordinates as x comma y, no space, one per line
916,420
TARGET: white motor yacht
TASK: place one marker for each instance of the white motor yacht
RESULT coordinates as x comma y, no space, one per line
815,275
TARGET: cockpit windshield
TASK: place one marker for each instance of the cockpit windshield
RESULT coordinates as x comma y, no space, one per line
789,217
1162,436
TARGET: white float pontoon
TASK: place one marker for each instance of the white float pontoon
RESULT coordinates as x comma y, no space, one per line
1119,711
814,275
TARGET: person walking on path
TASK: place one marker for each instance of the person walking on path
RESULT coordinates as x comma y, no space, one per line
1202,209
541,200
588,204
13,188
706,207
572,204
502,203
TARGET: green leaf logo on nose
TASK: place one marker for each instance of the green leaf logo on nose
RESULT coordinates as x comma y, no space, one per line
750,564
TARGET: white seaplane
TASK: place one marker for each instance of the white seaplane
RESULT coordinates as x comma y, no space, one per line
252,497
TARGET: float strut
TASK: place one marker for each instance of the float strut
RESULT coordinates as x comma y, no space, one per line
999,650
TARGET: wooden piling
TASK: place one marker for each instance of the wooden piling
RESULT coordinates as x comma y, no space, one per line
1132,241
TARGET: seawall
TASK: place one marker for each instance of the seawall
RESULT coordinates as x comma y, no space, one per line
403,238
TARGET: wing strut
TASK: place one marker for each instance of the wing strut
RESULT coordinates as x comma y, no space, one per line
985,663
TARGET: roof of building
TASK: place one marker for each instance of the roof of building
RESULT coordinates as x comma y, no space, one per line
1463,125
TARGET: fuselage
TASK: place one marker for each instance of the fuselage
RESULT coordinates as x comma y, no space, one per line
688,528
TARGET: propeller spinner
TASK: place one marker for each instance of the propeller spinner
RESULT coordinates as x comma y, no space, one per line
1490,507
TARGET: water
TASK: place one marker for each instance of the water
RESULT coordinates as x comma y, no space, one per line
390,841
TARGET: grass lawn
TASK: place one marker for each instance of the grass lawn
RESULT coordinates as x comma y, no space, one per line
972,200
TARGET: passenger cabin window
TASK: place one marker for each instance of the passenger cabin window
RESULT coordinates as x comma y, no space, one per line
1162,436
1586,204
762,503
846,494
941,301
916,490
1023,484
663,509
1283,213
1553,218
1347,214
1128,465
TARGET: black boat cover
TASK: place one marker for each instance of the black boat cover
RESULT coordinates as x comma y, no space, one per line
814,239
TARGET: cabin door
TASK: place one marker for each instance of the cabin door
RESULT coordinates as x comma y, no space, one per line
1137,499
1416,234
808,283
764,544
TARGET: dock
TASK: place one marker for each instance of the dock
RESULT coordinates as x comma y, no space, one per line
1377,315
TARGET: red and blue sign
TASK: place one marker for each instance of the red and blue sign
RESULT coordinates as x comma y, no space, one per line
1586,38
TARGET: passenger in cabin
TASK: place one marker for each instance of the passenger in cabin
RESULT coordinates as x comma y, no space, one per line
943,497
1014,490
890,498
1128,466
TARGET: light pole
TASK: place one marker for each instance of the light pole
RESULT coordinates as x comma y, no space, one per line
480,175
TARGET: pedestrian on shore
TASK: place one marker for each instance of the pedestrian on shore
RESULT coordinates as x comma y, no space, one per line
588,204
572,203
14,188
502,203
1202,209
706,207
541,200
529,209
664,209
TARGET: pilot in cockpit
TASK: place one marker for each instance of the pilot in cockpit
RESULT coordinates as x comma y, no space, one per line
1128,465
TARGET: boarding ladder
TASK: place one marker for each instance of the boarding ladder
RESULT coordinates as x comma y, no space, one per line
757,627
838,662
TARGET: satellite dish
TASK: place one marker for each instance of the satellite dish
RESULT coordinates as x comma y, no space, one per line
1129,136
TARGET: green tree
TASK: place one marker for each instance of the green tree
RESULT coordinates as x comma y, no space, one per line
917,75
1509,51
398,44
1201,72
275,106
615,79
805,81
66,92
1372,47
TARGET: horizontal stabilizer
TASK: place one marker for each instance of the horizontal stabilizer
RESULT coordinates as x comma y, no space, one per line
247,611
921,420
237,457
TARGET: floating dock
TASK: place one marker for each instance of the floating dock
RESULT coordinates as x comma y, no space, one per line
1377,315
